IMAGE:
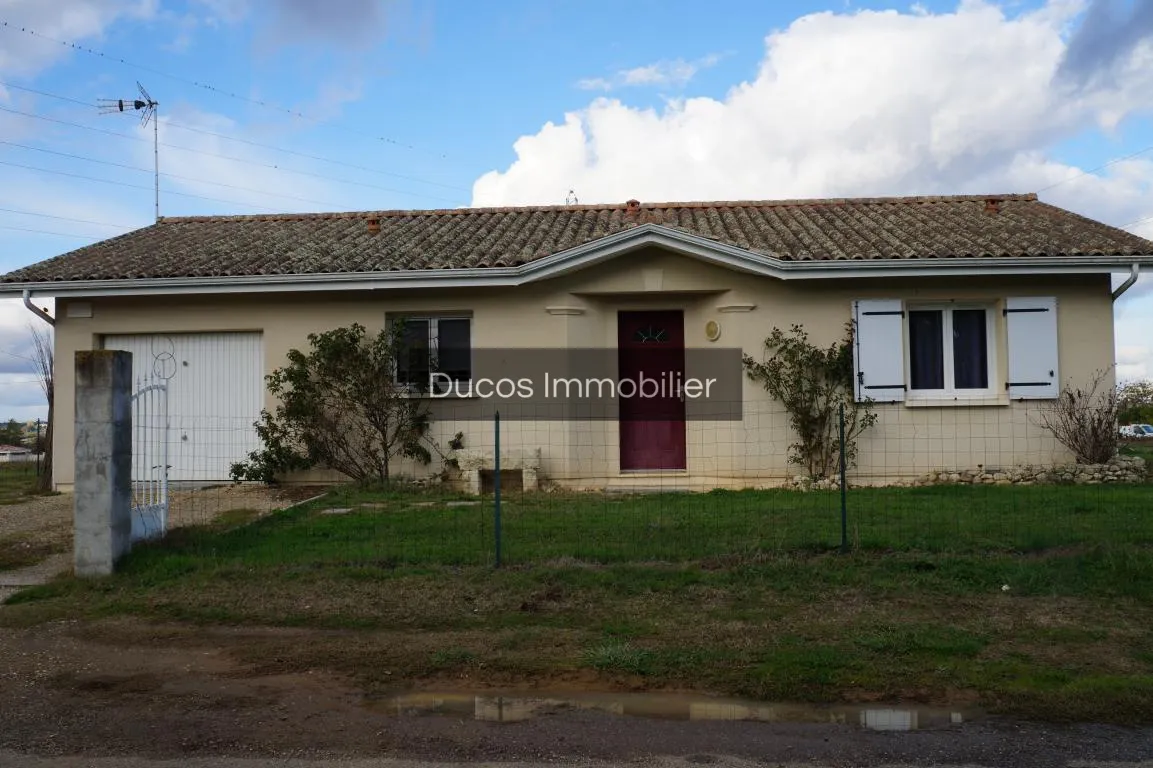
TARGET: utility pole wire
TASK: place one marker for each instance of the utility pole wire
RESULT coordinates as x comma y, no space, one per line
48,232
1094,170
136,186
215,89
65,218
168,175
234,159
172,124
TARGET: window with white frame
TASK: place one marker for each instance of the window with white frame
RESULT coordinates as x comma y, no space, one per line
938,352
950,350
440,344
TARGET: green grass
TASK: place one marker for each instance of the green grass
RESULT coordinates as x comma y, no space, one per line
17,481
425,529
741,593
615,656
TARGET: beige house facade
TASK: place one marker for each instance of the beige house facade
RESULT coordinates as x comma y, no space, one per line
970,314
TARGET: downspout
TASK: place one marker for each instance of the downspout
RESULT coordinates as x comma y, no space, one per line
51,320
1134,271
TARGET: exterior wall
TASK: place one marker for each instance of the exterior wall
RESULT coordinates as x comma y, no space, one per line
580,310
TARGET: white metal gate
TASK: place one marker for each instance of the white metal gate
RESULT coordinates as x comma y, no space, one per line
150,458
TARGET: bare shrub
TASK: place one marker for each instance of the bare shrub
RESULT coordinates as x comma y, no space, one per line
1084,420
42,358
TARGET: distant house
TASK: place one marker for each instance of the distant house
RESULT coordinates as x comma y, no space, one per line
12,453
968,312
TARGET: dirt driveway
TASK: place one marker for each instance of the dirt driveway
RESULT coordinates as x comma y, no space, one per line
174,691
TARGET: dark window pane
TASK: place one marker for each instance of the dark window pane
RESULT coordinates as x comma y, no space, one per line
454,350
926,350
970,349
412,359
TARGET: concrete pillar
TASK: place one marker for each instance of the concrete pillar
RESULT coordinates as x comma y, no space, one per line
472,482
102,507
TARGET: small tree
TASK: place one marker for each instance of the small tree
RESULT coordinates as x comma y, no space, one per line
1084,420
12,433
42,358
1135,402
813,383
340,407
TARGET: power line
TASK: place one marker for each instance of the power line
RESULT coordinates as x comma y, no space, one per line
322,159
64,218
47,232
136,186
169,175
1094,170
169,123
230,158
1135,223
18,357
214,89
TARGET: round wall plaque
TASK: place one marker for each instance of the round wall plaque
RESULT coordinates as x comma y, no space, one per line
712,330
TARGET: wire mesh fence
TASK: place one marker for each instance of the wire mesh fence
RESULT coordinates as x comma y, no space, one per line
957,479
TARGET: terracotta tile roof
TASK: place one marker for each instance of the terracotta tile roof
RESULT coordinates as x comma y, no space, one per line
794,230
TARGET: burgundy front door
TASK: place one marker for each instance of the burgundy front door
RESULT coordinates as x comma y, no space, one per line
651,354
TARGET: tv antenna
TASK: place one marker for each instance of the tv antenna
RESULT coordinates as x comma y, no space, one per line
146,106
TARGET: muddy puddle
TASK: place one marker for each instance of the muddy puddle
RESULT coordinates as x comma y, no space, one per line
512,707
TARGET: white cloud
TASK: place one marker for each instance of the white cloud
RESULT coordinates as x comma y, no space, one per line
233,181
873,103
594,84
20,395
1132,362
674,73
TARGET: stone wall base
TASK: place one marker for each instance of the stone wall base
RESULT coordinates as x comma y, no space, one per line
1123,469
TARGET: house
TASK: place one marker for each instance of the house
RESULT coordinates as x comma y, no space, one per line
971,312
15,453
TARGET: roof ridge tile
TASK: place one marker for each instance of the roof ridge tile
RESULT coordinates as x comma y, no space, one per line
657,206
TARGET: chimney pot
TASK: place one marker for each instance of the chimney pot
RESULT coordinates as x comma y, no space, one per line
992,205
373,225
632,208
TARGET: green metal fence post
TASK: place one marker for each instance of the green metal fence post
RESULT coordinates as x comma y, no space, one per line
844,485
496,486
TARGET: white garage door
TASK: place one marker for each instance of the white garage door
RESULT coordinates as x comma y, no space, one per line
215,393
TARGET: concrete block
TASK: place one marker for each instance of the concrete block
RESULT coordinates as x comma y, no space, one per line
102,498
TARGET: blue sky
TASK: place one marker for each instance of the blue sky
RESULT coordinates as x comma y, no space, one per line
437,104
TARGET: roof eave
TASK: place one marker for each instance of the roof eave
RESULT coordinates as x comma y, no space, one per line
581,257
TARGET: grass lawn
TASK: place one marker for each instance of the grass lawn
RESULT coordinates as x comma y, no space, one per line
741,593
17,481
18,485
1144,449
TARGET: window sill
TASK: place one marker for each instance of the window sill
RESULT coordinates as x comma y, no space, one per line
957,402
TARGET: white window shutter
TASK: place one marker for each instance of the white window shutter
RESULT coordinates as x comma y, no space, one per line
1032,338
879,349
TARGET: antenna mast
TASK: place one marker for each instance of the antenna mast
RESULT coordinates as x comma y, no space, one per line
146,106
